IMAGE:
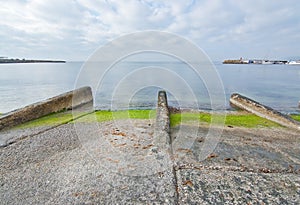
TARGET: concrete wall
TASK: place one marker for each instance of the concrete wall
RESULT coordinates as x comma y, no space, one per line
258,109
162,126
58,103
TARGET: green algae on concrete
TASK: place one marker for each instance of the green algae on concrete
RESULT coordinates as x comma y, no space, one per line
106,115
99,116
48,120
239,120
296,117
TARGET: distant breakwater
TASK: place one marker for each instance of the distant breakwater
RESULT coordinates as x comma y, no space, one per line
29,61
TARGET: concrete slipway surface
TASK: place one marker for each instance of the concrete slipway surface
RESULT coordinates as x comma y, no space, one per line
124,165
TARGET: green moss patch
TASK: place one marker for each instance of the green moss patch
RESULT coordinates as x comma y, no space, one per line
249,120
99,116
49,120
238,120
296,117
235,120
103,115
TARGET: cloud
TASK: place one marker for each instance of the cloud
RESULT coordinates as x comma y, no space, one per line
73,29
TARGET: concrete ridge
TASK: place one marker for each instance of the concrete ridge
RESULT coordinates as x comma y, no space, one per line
162,127
245,103
163,137
65,101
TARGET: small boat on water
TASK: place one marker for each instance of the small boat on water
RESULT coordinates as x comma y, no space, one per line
294,63
266,62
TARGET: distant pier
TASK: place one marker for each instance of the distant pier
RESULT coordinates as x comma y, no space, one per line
254,61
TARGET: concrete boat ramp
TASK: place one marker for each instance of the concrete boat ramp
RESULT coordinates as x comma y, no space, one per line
136,161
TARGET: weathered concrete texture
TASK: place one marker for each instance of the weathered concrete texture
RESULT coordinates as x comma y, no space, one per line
10,136
162,128
64,101
55,167
248,166
265,150
59,167
220,187
256,108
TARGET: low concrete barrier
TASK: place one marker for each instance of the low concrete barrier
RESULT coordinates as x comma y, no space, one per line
263,111
162,128
58,103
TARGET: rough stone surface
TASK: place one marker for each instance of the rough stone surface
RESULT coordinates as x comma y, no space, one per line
248,166
231,187
64,101
11,136
256,108
56,167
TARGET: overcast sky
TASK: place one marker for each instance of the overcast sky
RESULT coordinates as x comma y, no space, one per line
74,29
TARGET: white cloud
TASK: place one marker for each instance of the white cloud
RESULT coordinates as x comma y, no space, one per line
57,28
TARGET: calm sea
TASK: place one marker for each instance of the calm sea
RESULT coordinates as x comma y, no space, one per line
277,86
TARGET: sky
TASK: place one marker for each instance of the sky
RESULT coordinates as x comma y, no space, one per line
225,29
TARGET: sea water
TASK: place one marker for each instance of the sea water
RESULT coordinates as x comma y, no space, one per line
277,86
